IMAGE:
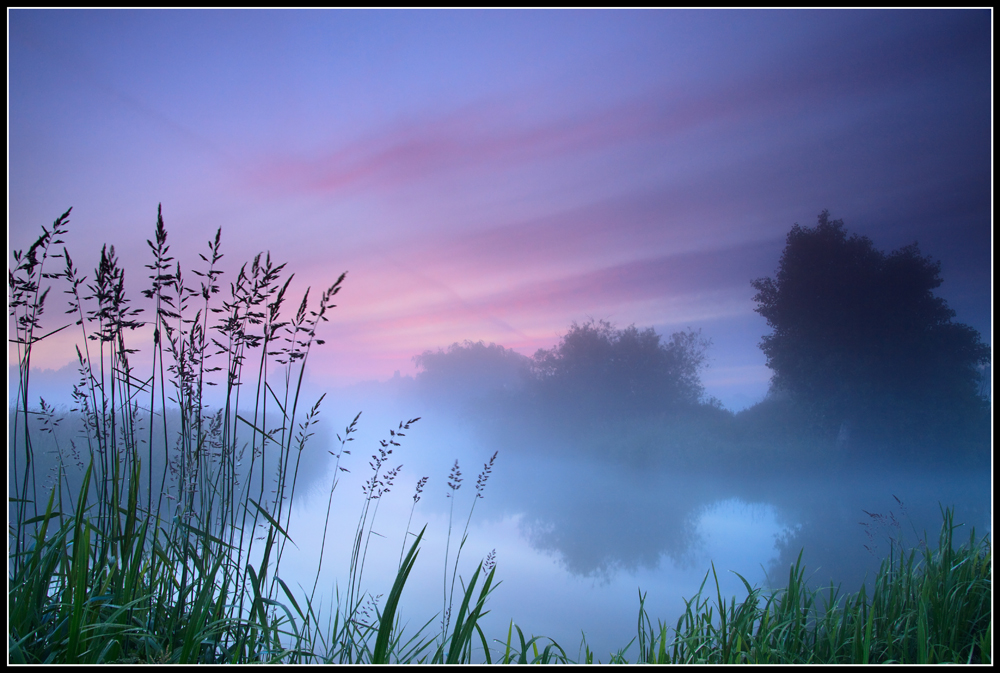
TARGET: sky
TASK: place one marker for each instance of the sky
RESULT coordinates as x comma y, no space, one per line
497,175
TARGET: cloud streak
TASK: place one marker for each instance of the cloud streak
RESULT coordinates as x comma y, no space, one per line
490,136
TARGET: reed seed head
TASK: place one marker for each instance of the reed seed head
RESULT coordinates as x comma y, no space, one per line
420,489
484,475
455,478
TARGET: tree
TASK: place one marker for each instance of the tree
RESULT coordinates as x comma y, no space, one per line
470,370
861,340
597,367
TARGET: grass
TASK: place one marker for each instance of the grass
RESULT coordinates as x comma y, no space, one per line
168,546
931,608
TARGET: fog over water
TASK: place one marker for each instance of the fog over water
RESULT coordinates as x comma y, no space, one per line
577,537
580,526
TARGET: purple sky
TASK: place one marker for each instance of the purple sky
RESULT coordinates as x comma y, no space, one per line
497,175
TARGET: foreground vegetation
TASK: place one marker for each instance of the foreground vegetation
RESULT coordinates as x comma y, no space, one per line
933,607
168,548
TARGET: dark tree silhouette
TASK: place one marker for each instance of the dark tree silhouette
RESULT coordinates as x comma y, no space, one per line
470,370
861,341
597,367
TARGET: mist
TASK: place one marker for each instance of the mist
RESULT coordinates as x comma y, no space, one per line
592,500
585,509
597,501
596,473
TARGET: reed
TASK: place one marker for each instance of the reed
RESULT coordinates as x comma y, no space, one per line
167,547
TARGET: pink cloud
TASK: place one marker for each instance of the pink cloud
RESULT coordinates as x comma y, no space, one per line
530,314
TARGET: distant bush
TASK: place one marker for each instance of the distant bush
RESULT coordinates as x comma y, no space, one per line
470,370
598,369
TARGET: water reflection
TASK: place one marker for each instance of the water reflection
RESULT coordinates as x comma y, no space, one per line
601,518
602,500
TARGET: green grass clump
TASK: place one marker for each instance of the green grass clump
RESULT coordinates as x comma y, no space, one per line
929,608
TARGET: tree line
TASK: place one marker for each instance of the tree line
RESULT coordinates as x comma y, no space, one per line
860,349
